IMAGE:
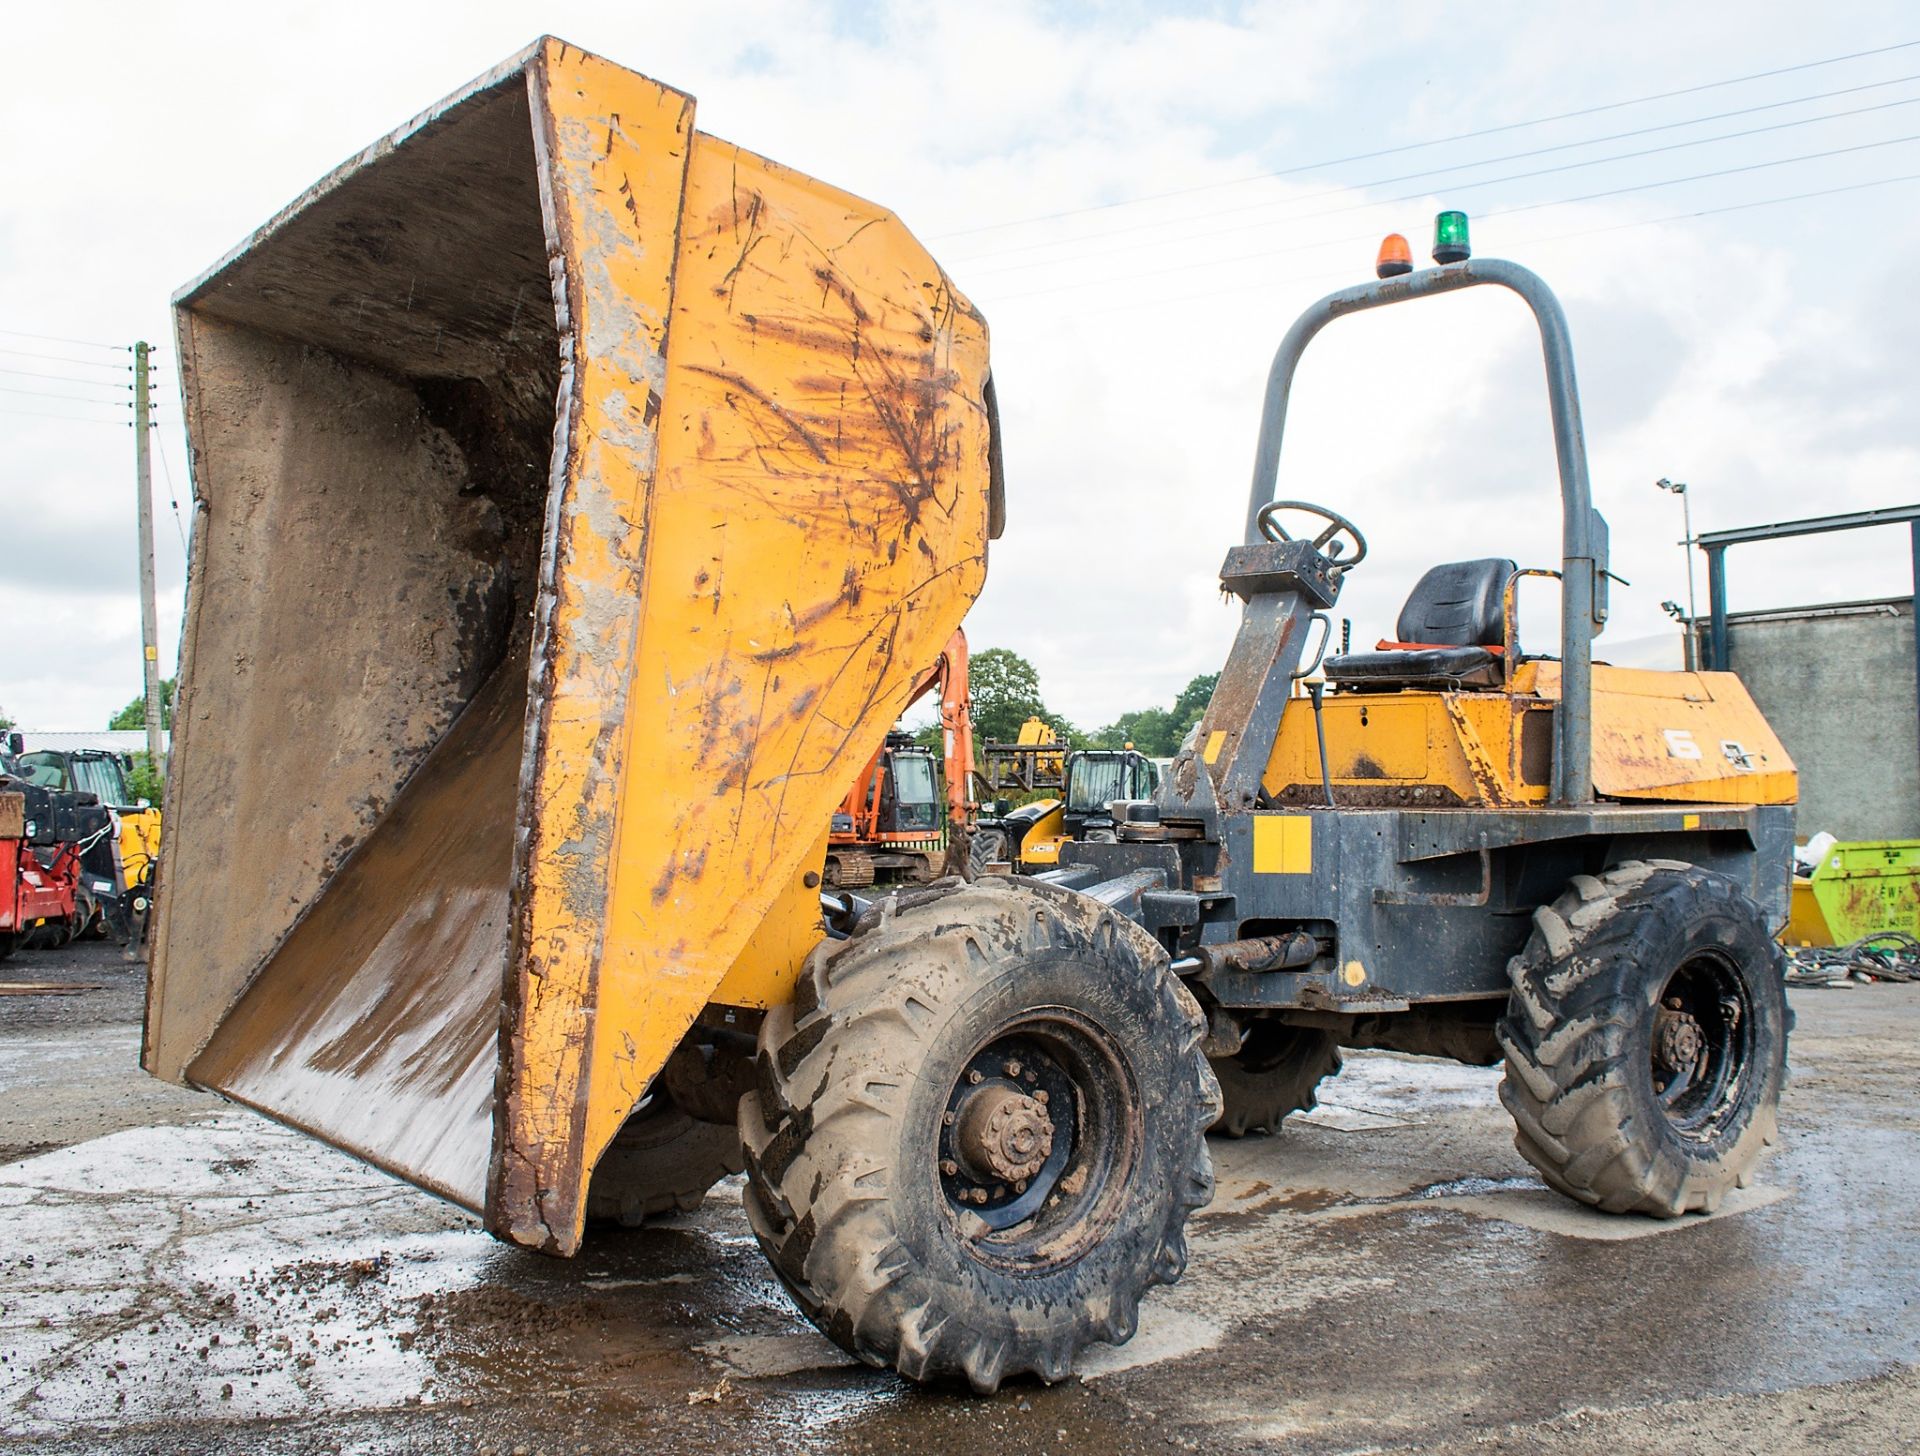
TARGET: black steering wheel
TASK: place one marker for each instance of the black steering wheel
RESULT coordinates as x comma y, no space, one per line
1270,527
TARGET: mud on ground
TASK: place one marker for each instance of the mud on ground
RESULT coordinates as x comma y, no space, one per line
181,1275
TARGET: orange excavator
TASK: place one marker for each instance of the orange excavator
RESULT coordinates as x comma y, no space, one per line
887,830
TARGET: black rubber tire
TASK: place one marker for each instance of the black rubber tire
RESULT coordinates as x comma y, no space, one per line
1272,1076
1578,1038
662,1161
92,917
985,847
8,940
844,1189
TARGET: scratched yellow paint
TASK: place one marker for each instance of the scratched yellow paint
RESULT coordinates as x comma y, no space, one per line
775,514
1657,736
615,149
1689,737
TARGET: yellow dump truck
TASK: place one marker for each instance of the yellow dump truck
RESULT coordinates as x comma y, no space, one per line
579,498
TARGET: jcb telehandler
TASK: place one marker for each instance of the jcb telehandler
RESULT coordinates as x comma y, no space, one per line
1028,837
580,495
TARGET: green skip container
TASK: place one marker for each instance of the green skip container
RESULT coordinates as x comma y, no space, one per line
1858,889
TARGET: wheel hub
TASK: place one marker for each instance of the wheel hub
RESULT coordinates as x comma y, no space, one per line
1003,1134
1009,1131
1678,1039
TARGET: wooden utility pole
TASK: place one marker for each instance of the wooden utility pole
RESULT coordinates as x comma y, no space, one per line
143,491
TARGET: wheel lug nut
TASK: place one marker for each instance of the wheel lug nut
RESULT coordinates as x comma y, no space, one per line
948,1119
949,1167
1021,1186
975,1078
1013,1069
1040,1096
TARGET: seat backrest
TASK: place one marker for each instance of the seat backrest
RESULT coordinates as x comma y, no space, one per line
1458,605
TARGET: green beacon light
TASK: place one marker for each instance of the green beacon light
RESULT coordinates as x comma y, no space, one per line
1450,243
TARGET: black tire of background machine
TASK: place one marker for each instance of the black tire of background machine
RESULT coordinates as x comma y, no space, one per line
1272,1075
848,1187
985,847
1580,1028
662,1161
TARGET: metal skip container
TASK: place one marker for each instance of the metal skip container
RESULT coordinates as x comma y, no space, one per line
577,499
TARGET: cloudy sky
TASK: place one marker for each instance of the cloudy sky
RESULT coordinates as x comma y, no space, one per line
1140,198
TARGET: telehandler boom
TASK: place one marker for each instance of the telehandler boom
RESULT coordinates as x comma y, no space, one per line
579,498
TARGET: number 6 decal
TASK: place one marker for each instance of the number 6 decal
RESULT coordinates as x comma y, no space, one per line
1680,744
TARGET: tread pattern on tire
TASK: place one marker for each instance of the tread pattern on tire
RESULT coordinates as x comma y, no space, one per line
1260,1101
840,1060
1575,1054
985,847
659,1164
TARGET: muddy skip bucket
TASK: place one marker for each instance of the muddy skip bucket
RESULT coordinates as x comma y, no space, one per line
577,498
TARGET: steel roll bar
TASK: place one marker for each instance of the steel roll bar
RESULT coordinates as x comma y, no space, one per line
1583,531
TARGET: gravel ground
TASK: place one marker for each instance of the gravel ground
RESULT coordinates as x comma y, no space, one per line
184,1276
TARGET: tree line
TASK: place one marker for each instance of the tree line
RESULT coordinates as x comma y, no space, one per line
1006,692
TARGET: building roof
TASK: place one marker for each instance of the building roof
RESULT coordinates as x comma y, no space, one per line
131,740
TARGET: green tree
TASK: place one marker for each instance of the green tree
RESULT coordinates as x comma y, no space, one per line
1151,731
1006,692
1158,732
1192,703
5,721
144,781
134,715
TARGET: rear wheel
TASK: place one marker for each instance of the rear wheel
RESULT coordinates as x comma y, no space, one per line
1646,1039
979,1131
1273,1075
661,1161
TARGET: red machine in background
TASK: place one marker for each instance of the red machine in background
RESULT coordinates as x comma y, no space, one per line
888,829
39,883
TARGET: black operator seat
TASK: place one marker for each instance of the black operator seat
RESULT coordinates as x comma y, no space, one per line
1451,634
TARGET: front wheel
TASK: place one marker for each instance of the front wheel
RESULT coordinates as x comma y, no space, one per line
979,1130
1646,1039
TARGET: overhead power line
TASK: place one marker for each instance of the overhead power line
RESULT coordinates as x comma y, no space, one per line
77,419
1733,207
1269,253
65,359
74,398
173,491
1361,206
58,339
65,378
1432,142
1433,172
1348,273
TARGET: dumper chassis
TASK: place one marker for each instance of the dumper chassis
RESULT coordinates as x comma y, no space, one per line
1616,955
577,498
